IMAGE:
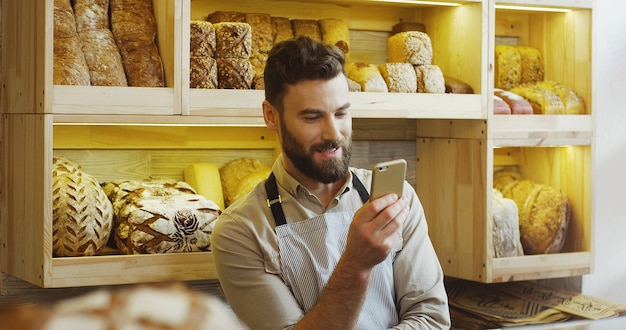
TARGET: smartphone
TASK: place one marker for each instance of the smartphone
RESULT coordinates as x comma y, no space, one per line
388,177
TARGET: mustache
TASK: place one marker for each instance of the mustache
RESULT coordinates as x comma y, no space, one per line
329,145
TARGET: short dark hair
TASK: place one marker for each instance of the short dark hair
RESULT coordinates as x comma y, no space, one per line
297,59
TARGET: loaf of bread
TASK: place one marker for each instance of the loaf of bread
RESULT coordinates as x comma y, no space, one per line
234,73
504,176
505,227
399,77
456,86
281,29
411,46
121,192
226,16
500,107
262,40
233,40
518,105
532,67
202,39
353,86
306,27
134,28
542,100
335,32
82,215
508,67
429,79
249,182
203,72
367,75
407,26
69,64
101,52
233,172
573,103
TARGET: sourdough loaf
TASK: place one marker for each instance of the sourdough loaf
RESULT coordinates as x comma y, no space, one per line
69,64
82,215
399,77
367,75
202,39
233,40
234,73
203,72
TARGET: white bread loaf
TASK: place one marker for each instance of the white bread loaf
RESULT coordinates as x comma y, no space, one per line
82,215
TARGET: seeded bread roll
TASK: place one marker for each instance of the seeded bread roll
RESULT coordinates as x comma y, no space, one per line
203,72
399,77
367,75
233,40
134,28
226,16
234,73
306,27
411,46
69,64
202,39
281,29
508,67
430,79
335,32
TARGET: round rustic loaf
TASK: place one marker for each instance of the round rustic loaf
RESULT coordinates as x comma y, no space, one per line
234,171
82,215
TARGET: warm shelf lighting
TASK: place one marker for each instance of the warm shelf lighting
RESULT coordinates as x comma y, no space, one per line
530,8
420,2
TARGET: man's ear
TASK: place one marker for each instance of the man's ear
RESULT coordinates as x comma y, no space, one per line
270,115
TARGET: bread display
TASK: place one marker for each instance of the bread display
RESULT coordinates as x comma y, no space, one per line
456,86
544,213
82,215
161,217
335,31
69,63
101,52
411,46
367,76
505,226
508,67
281,29
430,79
306,27
399,77
517,104
500,107
134,28
233,172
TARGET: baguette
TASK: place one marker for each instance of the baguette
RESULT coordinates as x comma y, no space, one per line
69,63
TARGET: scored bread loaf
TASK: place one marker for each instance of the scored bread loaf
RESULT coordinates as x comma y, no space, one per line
504,176
413,47
69,63
306,27
335,32
134,28
430,79
203,72
234,73
399,77
82,215
508,67
233,40
202,39
367,75
281,29
101,52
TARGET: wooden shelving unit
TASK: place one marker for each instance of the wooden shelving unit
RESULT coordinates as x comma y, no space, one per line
454,142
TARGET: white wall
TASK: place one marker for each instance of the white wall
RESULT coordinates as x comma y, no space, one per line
608,280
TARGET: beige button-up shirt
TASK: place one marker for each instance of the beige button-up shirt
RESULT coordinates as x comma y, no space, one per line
247,259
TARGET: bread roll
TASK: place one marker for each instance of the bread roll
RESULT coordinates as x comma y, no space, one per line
234,73
367,75
532,68
518,105
456,86
399,77
233,40
203,72
306,27
500,107
281,29
430,79
411,46
233,172
202,39
226,16
82,215
508,67
69,64
335,32
134,28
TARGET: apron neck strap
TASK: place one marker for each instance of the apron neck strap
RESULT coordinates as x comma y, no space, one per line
274,200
